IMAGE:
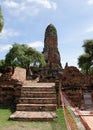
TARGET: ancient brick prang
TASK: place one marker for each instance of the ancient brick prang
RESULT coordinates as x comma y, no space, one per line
50,50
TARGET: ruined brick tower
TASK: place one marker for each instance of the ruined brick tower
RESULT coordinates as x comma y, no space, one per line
50,50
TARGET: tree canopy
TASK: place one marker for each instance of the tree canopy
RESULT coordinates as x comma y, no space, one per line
24,56
85,61
2,65
1,20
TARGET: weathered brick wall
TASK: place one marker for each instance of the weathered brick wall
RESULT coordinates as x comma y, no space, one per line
19,74
10,86
17,93
9,94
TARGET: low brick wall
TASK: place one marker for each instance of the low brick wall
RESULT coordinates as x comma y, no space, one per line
10,86
9,93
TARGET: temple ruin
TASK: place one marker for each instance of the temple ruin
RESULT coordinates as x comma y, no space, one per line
53,66
38,99
52,56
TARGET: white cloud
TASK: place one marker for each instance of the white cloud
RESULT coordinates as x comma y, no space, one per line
28,7
15,8
45,3
20,8
36,44
6,33
5,47
90,2
10,4
89,29
54,5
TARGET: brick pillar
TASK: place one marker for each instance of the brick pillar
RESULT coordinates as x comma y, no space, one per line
58,89
92,96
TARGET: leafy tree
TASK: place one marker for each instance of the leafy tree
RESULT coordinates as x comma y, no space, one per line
1,20
85,61
88,46
2,65
24,56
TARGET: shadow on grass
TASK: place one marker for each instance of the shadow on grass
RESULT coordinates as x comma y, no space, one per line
5,113
11,108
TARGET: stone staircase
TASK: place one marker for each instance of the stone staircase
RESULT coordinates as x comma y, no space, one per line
37,102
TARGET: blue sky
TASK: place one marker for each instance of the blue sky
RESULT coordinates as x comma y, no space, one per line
25,22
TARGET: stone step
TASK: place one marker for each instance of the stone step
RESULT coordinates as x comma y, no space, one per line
33,84
39,89
33,116
36,107
25,100
38,94
37,103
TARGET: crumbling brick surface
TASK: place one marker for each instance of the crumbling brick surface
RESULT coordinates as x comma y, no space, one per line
10,85
9,94
19,74
50,50
71,76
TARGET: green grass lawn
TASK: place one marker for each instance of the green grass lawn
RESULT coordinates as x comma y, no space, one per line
5,124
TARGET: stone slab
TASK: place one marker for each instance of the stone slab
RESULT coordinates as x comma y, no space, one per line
32,116
33,84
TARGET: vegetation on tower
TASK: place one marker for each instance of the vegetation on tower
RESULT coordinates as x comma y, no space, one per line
51,30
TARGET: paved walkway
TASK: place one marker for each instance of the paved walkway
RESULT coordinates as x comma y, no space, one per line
86,116
89,121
